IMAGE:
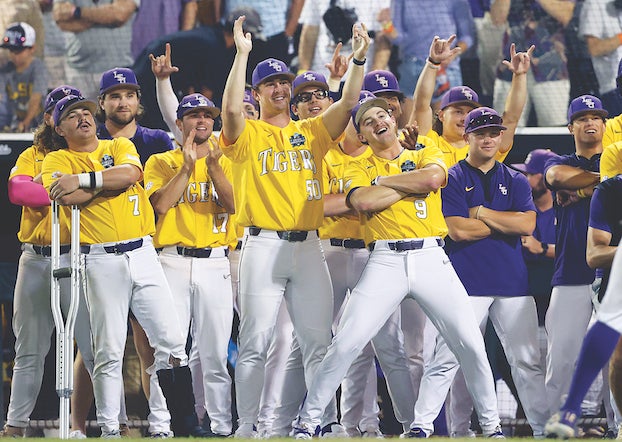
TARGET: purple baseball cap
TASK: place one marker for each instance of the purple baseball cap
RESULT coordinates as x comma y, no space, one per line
481,118
248,98
117,78
194,101
585,104
69,103
309,78
460,95
270,68
535,161
57,94
380,81
19,35
367,100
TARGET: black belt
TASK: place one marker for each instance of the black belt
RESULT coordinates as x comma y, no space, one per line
286,235
348,243
47,250
402,246
119,248
238,246
197,253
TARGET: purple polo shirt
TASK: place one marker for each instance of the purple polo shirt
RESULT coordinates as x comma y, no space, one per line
147,141
571,234
545,232
493,266
606,212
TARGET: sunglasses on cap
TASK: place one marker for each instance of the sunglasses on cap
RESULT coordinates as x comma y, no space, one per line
305,97
485,121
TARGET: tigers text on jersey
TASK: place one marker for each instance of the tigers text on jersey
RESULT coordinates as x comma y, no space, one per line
111,216
410,217
277,174
498,256
35,222
335,164
197,220
451,154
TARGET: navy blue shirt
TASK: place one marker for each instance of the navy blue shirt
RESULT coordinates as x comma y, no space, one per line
492,266
571,233
147,141
606,215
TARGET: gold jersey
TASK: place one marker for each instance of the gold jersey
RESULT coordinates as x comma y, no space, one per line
613,131
111,216
196,220
411,217
277,174
36,222
451,154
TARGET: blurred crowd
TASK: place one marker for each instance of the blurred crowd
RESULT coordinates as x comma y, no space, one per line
47,43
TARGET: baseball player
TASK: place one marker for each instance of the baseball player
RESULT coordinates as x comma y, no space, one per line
604,234
612,135
189,190
403,226
572,178
488,207
277,176
447,130
121,265
32,316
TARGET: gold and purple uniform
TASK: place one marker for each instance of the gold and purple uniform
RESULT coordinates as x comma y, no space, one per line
611,161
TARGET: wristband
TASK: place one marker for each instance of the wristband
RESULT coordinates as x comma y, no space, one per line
374,182
581,193
77,13
359,62
99,180
545,248
84,181
619,37
435,63
477,211
91,180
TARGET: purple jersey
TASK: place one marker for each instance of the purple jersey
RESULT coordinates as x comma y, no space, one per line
147,141
571,234
493,266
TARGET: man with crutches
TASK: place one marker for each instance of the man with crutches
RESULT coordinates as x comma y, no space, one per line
121,265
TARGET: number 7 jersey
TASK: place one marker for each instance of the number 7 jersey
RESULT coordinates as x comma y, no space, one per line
111,216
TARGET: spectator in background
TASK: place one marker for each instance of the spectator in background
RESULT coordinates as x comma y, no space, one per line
541,24
580,71
280,21
54,46
317,44
161,17
416,23
21,10
600,25
24,79
100,32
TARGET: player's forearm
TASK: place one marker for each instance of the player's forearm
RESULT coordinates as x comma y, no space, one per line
78,197
570,178
467,229
418,182
120,177
335,205
508,223
374,198
514,106
232,100
167,103
422,97
168,195
223,188
306,46
600,256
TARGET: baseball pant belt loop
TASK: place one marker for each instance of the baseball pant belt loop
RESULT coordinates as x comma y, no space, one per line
407,244
348,243
118,248
238,246
207,252
286,235
46,250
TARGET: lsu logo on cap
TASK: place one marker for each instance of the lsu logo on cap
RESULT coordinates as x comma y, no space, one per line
588,102
467,93
382,80
119,77
274,65
309,76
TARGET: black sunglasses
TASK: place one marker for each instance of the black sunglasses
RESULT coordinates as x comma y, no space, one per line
305,97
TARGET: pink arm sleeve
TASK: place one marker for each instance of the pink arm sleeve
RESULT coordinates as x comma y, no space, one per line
25,192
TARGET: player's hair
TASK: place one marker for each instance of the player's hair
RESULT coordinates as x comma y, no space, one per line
100,115
437,125
43,137
58,142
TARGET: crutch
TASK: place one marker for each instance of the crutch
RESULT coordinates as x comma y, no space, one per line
65,327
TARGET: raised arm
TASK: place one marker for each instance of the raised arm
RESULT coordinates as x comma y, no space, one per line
162,67
338,114
515,102
233,121
440,52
